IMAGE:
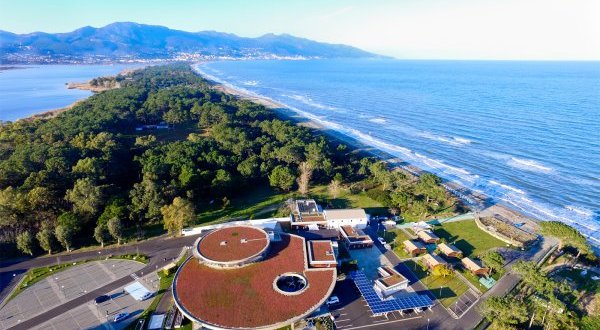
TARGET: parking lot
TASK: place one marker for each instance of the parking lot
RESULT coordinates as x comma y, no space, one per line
353,312
64,286
101,316
369,260
464,302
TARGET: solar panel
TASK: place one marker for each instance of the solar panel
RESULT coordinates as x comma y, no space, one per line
378,306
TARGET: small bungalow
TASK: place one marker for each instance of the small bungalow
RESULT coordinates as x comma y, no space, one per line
450,250
432,261
428,237
475,267
414,247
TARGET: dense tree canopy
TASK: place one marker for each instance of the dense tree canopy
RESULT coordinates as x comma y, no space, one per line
104,165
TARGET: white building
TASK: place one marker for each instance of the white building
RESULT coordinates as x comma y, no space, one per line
390,282
356,218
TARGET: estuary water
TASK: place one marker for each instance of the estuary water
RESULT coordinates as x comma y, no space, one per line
525,133
27,90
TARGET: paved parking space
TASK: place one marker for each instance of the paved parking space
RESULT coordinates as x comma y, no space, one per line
64,286
353,312
464,302
369,260
92,316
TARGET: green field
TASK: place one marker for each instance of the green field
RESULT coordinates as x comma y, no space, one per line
395,238
445,289
264,202
466,236
346,199
259,202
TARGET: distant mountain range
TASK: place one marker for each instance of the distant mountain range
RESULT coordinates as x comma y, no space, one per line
127,41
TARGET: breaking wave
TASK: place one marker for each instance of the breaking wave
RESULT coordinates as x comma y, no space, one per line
308,101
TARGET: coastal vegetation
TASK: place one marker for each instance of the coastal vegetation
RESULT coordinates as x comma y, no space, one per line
166,149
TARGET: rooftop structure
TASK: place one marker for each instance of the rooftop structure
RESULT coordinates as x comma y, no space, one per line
321,254
232,246
414,247
307,213
355,238
474,267
432,261
450,250
267,290
390,282
428,237
307,207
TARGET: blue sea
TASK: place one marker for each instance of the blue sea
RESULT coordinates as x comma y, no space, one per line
526,134
28,90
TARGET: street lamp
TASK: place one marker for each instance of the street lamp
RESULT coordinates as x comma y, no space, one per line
427,324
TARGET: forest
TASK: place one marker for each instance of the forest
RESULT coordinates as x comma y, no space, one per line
157,149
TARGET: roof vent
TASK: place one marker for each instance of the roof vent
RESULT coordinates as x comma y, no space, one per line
223,243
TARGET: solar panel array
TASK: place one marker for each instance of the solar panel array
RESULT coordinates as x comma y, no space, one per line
378,306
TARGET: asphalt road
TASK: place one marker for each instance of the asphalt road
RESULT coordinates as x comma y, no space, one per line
161,251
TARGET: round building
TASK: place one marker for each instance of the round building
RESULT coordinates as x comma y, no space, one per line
240,277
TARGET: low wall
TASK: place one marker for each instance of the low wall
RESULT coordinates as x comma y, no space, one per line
499,236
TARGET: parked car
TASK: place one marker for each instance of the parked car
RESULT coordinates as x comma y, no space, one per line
120,317
101,299
333,300
381,240
147,295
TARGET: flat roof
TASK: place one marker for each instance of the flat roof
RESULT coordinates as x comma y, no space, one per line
355,235
309,218
307,206
392,278
321,251
345,214
244,297
231,244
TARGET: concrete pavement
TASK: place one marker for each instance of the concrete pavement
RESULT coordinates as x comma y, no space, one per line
160,251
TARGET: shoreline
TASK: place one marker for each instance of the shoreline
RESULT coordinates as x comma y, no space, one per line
85,86
480,205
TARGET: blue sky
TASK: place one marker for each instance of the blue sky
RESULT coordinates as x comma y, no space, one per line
441,29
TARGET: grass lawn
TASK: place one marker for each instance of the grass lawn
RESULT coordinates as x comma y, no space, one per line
345,199
260,201
474,279
263,202
395,238
445,289
466,236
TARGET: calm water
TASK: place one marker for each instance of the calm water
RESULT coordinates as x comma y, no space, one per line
34,89
524,133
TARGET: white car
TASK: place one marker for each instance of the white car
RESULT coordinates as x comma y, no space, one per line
333,300
381,240
120,317
147,295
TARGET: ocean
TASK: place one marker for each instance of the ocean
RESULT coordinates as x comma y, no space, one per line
526,134
28,90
